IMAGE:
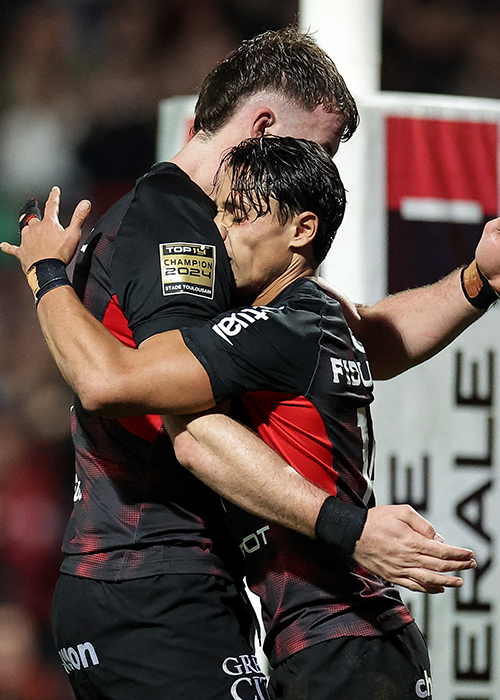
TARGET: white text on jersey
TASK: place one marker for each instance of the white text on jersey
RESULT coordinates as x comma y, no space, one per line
352,372
254,541
233,324
75,659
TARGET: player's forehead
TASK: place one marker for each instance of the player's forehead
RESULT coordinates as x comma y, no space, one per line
225,189
245,200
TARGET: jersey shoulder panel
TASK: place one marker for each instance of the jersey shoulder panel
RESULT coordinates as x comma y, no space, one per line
160,254
276,347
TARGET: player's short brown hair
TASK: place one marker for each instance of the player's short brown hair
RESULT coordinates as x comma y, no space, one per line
286,61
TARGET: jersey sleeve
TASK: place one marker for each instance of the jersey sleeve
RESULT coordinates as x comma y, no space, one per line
257,348
169,268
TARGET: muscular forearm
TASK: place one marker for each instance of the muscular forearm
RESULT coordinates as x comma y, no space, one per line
112,379
405,329
85,352
235,463
395,542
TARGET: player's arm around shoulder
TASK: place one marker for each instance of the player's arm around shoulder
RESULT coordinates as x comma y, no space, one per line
161,376
409,327
108,377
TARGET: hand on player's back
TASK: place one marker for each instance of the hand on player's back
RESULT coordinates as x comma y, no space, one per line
403,547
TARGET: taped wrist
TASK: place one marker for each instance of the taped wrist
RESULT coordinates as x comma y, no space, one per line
340,524
478,291
45,275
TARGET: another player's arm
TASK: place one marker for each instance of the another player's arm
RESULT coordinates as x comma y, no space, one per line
162,376
396,542
405,329
239,466
106,375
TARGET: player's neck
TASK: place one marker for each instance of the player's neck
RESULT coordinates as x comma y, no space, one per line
200,158
200,161
292,273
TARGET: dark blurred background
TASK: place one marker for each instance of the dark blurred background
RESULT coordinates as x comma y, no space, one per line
80,81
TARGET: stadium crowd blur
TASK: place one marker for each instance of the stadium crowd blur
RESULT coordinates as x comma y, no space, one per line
80,82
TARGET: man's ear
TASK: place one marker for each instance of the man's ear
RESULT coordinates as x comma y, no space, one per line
263,119
305,228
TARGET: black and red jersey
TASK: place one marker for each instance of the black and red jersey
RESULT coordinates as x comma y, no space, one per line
305,385
154,261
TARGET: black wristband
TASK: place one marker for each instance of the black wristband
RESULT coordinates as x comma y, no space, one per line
45,275
340,524
477,289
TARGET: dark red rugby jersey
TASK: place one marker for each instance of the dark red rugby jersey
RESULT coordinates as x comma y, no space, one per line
154,261
306,387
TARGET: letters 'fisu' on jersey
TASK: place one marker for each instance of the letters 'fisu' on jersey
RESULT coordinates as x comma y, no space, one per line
305,385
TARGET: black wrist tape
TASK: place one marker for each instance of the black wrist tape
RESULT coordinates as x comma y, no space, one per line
478,291
340,524
45,275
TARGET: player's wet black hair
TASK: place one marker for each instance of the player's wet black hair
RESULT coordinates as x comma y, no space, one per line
286,61
296,174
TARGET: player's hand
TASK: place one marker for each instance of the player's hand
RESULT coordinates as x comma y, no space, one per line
488,253
48,238
402,547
